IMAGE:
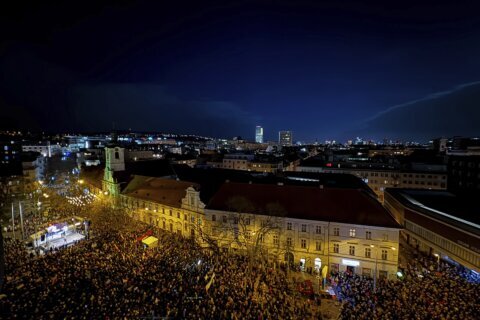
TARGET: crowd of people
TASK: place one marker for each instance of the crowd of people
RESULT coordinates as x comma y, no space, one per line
427,289
113,276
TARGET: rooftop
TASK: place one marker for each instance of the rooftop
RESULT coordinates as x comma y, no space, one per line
166,191
312,203
459,210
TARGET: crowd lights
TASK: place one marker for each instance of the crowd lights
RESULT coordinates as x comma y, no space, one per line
81,200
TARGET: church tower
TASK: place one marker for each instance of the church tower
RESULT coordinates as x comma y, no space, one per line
115,158
114,161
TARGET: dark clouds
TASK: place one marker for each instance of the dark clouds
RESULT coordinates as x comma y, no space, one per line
151,107
220,68
442,114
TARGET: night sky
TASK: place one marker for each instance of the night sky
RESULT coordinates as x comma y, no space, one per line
331,70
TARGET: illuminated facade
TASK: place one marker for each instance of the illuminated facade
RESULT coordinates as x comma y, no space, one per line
259,134
285,138
305,227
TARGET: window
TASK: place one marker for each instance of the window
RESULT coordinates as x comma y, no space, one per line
235,220
385,237
193,219
351,250
224,219
303,243
214,217
171,213
318,229
368,253
289,226
178,215
336,247
384,254
352,232
275,239
171,227
164,226
304,228
368,235
247,221
318,246
336,231
117,156
289,242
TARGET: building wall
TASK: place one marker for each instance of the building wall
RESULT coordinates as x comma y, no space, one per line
186,219
379,180
433,236
309,243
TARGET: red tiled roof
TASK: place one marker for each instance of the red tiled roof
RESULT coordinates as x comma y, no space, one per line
312,203
164,191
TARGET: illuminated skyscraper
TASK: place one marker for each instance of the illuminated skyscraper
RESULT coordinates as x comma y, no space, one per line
259,134
285,138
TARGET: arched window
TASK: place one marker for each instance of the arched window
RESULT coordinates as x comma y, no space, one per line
117,156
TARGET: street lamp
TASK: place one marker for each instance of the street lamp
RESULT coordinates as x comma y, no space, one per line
438,260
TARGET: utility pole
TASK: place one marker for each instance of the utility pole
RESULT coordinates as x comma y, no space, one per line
21,219
376,263
13,222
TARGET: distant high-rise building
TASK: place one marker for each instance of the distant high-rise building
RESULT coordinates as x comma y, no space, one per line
285,138
259,134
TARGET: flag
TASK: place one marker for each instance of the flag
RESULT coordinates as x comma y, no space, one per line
209,284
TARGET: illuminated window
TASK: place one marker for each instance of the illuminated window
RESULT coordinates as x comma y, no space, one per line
352,232
336,231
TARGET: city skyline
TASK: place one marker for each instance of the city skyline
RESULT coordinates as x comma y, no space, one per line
323,70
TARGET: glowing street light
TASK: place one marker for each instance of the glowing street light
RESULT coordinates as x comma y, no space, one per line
80,181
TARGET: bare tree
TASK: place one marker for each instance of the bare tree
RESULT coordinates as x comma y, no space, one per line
250,226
